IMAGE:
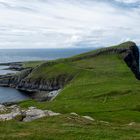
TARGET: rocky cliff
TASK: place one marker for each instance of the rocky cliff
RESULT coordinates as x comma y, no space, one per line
21,81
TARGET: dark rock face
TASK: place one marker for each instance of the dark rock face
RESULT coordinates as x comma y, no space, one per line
44,85
16,66
131,57
13,80
21,82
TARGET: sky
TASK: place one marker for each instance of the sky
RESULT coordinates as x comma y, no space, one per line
68,23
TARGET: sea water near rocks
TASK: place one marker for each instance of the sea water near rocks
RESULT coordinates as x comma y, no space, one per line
18,55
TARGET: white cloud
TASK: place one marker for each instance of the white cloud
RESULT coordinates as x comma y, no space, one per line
62,23
128,1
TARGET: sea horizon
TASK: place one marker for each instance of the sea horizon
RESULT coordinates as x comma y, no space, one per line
20,55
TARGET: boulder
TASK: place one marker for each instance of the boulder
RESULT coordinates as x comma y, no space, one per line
10,116
2,108
6,117
132,123
73,113
51,113
34,113
88,118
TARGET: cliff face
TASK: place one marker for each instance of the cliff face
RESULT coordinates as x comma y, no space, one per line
21,82
131,57
127,51
56,83
14,80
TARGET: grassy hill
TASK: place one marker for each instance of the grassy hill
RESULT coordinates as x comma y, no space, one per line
98,84
103,86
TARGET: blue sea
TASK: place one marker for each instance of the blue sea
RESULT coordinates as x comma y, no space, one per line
18,55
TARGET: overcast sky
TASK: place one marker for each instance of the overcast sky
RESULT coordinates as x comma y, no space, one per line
68,23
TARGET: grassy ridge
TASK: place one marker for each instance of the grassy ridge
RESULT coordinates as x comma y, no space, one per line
32,64
103,87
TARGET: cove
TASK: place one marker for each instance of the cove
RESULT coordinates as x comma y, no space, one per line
10,94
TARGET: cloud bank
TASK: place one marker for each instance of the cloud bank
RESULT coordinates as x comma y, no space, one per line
63,23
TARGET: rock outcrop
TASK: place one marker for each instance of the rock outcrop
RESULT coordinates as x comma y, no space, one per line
14,112
39,84
12,80
21,82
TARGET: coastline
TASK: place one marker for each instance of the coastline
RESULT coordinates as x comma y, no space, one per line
39,79
36,94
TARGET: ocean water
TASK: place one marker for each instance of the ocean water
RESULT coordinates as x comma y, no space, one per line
4,70
16,55
13,95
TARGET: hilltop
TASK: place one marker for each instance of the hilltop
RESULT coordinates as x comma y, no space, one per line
103,84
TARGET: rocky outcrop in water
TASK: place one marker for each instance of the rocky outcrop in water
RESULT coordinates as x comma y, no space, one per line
12,80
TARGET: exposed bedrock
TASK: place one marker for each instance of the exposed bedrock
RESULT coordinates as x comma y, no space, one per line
22,82
12,80
56,83
131,57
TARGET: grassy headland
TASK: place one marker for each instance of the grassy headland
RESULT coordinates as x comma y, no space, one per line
100,85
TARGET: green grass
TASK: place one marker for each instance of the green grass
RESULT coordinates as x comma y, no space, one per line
48,72
67,127
32,64
102,87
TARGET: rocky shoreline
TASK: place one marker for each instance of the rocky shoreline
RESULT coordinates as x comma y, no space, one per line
16,81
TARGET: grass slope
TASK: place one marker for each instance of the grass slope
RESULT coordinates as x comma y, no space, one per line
103,87
67,127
